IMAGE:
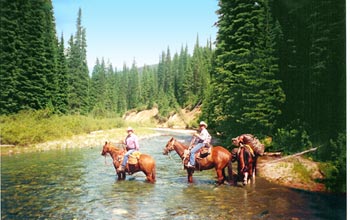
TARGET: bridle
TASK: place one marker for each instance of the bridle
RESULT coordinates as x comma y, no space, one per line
167,149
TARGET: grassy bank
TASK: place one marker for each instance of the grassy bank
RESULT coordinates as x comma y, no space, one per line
28,128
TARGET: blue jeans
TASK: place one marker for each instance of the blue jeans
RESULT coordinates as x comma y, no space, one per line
126,156
196,148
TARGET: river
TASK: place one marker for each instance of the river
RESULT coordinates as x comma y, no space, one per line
81,184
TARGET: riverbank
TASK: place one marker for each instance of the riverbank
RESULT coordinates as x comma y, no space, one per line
295,172
95,138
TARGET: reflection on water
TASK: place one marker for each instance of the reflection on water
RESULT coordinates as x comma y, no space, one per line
77,184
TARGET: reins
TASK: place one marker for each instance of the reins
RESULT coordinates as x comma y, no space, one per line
110,153
106,164
169,155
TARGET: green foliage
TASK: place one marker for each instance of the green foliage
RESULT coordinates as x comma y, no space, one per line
291,139
78,77
302,171
313,67
334,156
28,55
245,95
30,127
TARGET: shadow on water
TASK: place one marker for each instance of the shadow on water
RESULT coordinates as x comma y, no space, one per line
77,184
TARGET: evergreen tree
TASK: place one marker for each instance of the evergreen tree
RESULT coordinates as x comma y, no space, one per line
9,56
122,85
245,95
61,100
79,80
30,39
181,80
98,88
134,91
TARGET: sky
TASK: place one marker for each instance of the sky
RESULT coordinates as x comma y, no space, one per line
124,31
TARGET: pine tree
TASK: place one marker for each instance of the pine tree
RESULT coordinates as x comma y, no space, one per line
30,39
245,95
79,80
9,56
61,100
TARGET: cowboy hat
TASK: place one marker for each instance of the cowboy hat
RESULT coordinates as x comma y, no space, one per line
129,129
203,123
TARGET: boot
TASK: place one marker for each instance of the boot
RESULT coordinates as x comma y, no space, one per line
189,165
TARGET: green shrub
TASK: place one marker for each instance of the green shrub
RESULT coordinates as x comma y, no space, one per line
334,167
30,127
291,139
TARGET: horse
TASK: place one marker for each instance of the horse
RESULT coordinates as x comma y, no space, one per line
219,158
145,163
247,160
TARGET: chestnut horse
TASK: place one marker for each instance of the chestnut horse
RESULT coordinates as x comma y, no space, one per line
145,163
219,158
246,160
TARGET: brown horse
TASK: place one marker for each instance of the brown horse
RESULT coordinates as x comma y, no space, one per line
219,158
145,163
246,160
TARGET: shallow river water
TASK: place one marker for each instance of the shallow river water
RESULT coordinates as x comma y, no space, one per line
81,184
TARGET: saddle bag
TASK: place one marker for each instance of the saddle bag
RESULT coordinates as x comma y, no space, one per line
134,157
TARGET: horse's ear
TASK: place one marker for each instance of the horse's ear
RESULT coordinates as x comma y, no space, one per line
105,142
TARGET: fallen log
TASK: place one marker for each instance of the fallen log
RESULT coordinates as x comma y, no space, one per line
272,154
290,156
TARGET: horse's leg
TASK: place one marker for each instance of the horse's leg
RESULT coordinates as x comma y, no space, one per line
254,168
149,175
219,173
154,173
223,174
189,175
229,170
245,178
119,175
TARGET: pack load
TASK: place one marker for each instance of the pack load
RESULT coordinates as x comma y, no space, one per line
253,142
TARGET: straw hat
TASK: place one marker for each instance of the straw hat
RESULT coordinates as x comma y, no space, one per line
129,129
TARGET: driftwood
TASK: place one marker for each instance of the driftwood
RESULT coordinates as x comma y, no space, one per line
272,153
290,156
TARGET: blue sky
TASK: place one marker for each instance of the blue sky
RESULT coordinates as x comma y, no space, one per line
121,31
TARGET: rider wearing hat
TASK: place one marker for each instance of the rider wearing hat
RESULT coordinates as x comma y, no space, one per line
132,145
202,139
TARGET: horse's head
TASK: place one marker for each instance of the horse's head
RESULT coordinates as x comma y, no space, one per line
106,148
169,146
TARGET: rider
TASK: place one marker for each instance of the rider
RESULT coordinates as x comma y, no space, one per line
132,145
203,138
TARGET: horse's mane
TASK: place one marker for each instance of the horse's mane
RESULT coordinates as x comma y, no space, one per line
182,144
113,148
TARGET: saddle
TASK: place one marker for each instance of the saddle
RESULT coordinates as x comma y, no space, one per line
201,154
204,151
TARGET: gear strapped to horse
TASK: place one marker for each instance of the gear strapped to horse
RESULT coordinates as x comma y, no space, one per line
200,154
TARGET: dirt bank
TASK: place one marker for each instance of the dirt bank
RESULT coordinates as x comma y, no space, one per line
295,172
